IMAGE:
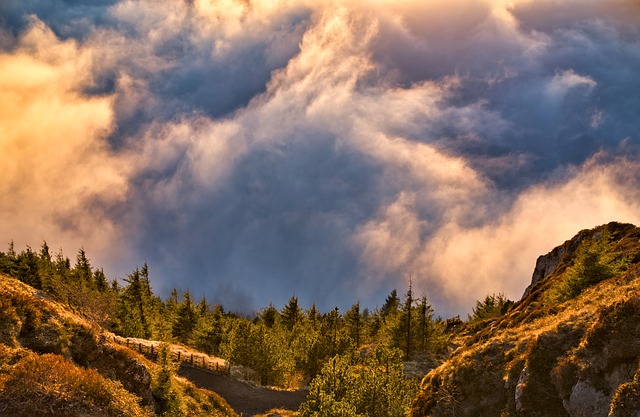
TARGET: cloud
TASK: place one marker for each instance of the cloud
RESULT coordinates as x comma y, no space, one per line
251,150
459,263
566,81
59,178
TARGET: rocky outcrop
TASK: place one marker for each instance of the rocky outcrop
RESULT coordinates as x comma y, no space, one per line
548,358
549,263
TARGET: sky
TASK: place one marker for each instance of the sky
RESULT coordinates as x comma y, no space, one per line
251,150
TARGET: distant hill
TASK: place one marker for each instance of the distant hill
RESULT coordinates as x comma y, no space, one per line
569,347
55,363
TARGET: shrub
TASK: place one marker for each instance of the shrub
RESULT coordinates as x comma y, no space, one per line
348,387
49,385
596,260
493,306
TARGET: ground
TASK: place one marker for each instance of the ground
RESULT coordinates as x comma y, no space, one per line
244,398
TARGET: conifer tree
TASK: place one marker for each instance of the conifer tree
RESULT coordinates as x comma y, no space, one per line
27,268
408,306
145,281
269,315
353,322
83,269
45,269
425,323
391,305
100,280
203,308
290,313
314,316
131,310
185,319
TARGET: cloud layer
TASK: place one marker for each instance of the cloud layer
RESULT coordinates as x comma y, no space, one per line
250,150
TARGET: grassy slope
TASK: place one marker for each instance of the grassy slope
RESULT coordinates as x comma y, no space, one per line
578,357
52,362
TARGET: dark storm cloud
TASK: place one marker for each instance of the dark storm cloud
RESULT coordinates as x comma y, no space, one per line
330,150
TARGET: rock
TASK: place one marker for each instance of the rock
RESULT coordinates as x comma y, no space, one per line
586,401
524,376
547,264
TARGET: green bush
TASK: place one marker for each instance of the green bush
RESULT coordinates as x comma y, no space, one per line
493,306
350,387
596,260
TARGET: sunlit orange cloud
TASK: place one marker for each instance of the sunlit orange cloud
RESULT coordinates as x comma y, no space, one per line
54,162
461,263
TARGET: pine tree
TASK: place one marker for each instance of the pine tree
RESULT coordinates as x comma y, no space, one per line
83,269
425,323
353,322
27,268
331,323
391,305
145,281
408,306
100,280
185,319
290,313
132,321
314,316
45,268
203,308
269,315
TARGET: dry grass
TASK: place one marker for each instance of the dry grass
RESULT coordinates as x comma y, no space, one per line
55,363
49,385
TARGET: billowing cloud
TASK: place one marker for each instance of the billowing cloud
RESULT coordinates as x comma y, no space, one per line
254,149
59,179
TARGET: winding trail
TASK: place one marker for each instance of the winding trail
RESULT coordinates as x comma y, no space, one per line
245,399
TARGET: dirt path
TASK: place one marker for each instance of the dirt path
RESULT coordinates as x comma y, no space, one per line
244,398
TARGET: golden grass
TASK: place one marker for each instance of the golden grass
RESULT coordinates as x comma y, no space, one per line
42,344
49,385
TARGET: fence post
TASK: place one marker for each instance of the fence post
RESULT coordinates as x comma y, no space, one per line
192,359
151,350
127,342
178,356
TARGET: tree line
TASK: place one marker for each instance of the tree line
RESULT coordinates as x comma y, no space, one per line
288,346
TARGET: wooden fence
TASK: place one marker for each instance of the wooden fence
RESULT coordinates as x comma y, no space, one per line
151,349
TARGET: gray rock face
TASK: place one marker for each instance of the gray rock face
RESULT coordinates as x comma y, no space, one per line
547,264
586,401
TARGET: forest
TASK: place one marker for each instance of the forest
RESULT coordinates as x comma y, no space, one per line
353,361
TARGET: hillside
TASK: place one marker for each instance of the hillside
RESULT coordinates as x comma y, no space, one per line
569,347
55,363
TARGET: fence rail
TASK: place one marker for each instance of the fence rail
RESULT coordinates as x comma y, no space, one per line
151,349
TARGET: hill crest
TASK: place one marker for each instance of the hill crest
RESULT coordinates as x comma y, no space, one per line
553,355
